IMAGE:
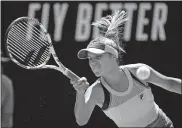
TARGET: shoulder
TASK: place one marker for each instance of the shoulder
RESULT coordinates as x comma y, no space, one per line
133,67
6,80
6,83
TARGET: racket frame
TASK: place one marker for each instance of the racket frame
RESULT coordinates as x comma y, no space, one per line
52,52
10,55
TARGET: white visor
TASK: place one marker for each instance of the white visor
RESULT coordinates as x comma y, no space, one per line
97,49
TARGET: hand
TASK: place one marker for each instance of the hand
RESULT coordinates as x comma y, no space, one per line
81,85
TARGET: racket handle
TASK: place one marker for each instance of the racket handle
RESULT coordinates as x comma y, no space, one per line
72,75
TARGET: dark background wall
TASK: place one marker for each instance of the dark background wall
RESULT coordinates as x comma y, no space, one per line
45,98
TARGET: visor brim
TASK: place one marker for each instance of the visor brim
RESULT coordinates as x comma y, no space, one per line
82,54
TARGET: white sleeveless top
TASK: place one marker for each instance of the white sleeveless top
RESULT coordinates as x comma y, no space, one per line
133,108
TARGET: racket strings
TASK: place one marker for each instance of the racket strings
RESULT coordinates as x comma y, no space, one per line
28,35
28,43
35,31
18,38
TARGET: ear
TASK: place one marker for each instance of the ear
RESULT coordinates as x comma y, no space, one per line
111,55
114,57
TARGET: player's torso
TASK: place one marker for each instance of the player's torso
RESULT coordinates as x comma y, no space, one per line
134,107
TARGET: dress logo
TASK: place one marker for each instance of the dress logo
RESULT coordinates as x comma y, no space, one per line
142,96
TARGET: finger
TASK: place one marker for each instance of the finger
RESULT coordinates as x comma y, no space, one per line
75,82
75,85
83,79
80,84
81,89
72,82
80,81
83,86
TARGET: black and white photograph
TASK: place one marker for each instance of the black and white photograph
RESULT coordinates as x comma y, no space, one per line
91,64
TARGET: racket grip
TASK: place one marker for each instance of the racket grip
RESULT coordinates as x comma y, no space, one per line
72,75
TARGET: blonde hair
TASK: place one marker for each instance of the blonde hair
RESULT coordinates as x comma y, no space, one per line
112,27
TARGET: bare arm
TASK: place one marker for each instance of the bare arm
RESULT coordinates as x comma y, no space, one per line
168,83
156,78
83,110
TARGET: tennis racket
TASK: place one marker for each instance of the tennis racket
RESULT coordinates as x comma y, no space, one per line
29,45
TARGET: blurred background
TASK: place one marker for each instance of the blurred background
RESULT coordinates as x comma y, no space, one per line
45,98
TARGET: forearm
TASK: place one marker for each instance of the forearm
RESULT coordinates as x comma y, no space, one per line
169,83
79,105
175,85
81,109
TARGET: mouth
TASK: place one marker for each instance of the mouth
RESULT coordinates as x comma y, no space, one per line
95,67
96,73
96,70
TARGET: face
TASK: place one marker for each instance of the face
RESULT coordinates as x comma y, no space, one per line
99,63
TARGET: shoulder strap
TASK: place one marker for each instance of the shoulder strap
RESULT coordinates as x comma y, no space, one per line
134,77
106,97
107,94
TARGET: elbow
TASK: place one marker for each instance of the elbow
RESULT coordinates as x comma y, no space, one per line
81,123
81,120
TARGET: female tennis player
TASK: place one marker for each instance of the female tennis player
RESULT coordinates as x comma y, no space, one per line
121,91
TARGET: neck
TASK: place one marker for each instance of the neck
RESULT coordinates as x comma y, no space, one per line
116,79
113,76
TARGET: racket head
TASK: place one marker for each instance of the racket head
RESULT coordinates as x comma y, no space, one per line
25,38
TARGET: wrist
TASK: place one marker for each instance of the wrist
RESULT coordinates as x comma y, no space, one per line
82,92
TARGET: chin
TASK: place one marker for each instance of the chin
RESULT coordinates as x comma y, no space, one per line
97,74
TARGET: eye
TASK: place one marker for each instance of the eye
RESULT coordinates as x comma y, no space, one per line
89,58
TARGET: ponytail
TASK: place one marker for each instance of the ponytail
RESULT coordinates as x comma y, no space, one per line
112,27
